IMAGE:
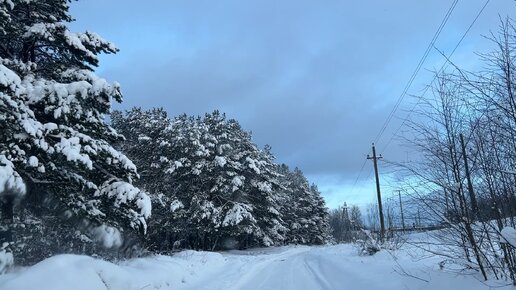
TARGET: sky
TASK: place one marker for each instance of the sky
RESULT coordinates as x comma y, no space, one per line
316,80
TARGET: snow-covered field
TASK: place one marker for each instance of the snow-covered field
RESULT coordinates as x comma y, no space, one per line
291,267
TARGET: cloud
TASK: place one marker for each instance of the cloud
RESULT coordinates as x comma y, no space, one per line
314,79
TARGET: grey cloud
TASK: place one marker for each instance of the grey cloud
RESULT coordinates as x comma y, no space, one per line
314,79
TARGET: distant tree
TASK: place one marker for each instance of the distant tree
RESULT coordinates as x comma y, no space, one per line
355,217
346,223
372,217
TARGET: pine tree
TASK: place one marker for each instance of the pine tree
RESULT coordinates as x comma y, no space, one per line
151,144
54,139
214,187
305,212
320,232
147,143
231,196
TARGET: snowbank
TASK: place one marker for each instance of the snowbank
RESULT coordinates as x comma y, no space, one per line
65,272
508,235
301,267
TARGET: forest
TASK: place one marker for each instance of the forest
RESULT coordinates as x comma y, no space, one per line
73,182
79,177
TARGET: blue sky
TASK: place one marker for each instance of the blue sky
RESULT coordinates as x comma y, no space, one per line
313,79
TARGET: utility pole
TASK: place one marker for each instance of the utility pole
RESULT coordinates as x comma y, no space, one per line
379,195
401,209
472,197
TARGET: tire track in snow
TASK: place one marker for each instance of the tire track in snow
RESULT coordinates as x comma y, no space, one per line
296,271
316,272
253,268
266,272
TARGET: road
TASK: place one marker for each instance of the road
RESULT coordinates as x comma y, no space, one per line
292,267
312,268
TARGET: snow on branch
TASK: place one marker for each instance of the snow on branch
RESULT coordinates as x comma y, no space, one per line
238,213
10,181
126,194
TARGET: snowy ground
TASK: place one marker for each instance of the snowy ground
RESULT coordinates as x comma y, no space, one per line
293,267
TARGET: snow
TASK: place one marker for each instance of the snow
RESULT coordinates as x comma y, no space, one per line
174,166
6,260
264,186
50,126
8,78
31,127
175,205
124,192
237,214
108,236
252,165
220,161
144,204
508,235
8,2
144,138
76,41
237,182
33,161
290,267
42,30
71,148
10,181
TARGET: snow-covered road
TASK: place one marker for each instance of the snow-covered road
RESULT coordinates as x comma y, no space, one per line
299,268
293,267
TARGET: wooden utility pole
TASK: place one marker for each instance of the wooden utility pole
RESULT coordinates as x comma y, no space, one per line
379,195
472,197
401,210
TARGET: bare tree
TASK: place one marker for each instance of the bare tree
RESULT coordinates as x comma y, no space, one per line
466,136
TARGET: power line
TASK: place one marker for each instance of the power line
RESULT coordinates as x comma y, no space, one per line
413,76
358,176
370,173
416,71
435,75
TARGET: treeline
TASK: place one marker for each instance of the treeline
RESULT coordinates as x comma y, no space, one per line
346,223
211,187
466,176
67,184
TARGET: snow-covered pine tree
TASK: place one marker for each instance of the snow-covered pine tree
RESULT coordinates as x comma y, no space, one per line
215,187
228,188
305,212
160,147
270,212
55,142
149,144
194,216
320,233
